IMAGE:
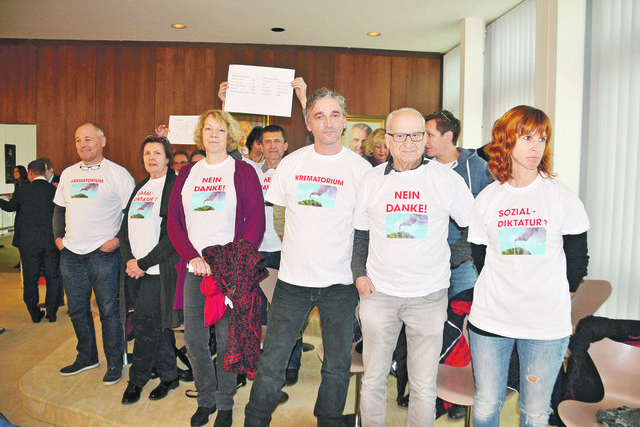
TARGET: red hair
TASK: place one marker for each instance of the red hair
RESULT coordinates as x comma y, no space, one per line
519,121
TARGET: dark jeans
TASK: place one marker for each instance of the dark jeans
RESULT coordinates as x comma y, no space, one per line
97,271
31,259
272,260
290,309
153,346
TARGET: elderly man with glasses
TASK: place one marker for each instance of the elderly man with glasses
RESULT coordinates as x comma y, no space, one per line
400,265
87,215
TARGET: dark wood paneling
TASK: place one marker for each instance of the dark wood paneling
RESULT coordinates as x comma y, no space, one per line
18,82
66,99
131,87
125,99
316,68
365,81
417,83
185,81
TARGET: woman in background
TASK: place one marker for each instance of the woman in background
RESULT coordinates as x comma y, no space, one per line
214,201
254,145
533,229
375,147
148,278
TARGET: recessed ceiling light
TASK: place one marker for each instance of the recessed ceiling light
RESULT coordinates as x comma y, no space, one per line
372,34
277,29
179,26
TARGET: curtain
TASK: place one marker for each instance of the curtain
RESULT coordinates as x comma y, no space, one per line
509,63
610,184
451,81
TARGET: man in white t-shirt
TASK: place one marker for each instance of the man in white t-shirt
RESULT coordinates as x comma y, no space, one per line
86,220
317,185
274,145
401,265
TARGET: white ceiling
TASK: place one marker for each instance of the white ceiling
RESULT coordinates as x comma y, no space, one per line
409,25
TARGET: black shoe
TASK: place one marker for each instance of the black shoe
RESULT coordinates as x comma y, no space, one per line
201,417
456,412
76,368
131,394
185,375
163,389
52,317
291,377
112,376
403,402
224,418
38,317
241,380
283,397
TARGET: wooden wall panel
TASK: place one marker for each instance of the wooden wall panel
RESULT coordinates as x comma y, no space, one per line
316,68
185,83
131,87
18,82
66,99
365,81
125,99
417,83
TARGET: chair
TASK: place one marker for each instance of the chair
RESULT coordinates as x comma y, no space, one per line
619,370
357,367
455,384
591,294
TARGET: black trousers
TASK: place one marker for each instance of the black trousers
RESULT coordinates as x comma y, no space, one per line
153,346
31,259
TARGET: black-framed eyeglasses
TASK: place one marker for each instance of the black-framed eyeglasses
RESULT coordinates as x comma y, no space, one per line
90,167
402,137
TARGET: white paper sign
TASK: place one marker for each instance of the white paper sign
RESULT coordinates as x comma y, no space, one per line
260,90
181,129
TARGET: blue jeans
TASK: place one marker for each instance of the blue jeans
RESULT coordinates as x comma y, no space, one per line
462,278
99,271
382,317
540,361
290,309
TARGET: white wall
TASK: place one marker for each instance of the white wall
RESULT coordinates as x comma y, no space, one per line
24,138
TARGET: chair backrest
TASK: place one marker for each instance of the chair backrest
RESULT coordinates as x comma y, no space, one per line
619,367
589,297
268,284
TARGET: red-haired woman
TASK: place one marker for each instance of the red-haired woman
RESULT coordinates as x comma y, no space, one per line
533,229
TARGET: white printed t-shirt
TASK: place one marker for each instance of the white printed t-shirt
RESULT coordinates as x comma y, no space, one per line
144,220
209,203
319,192
93,200
523,291
407,215
271,241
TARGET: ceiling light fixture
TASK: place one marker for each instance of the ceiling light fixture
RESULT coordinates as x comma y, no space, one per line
277,29
373,34
179,26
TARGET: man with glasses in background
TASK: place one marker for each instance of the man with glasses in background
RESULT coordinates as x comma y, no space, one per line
400,265
89,203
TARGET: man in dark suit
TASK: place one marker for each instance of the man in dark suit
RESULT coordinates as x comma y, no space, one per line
34,202
49,174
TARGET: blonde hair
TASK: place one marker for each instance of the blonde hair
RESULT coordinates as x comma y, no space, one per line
227,121
376,137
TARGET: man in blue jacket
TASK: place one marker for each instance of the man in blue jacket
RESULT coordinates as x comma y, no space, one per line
443,129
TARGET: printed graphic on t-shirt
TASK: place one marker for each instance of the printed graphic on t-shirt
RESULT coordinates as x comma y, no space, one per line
406,226
85,189
318,195
140,210
522,240
208,201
